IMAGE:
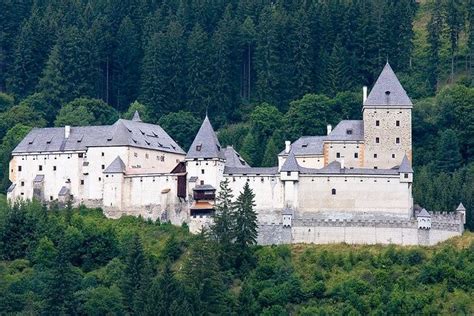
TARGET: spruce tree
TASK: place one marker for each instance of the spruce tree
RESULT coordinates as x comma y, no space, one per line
270,158
246,226
455,24
224,223
434,39
448,156
250,150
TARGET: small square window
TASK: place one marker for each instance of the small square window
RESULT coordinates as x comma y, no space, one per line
80,155
397,140
19,168
288,173
397,123
22,183
202,182
375,155
202,171
338,155
40,168
377,140
198,147
82,182
50,197
375,167
103,154
103,167
349,132
356,155
54,168
377,123
406,175
135,155
393,155
333,191
100,179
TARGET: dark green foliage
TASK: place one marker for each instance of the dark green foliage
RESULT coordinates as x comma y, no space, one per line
82,111
448,155
183,127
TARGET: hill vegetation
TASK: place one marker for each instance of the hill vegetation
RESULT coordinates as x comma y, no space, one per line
78,262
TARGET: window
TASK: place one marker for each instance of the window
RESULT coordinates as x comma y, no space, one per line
80,155
377,140
103,154
393,155
377,123
50,197
103,167
198,147
288,173
22,183
375,155
54,168
135,155
338,155
146,156
405,175
40,168
19,168
202,171
356,155
397,140
82,182
397,123
333,191
349,132
202,182
100,179
375,167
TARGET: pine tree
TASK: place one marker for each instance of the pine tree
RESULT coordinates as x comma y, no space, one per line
224,222
250,150
128,56
246,225
198,71
248,39
270,158
434,39
448,155
337,72
455,23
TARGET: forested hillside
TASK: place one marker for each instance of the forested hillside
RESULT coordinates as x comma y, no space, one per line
265,71
78,262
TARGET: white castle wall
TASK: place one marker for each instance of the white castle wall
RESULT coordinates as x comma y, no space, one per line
363,194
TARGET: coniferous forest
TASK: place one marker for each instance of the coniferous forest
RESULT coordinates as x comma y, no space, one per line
265,71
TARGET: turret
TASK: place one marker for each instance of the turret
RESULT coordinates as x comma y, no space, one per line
387,122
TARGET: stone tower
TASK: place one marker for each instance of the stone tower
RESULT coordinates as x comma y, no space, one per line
205,159
387,123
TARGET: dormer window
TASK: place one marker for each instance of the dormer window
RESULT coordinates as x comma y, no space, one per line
304,145
198,147
349,132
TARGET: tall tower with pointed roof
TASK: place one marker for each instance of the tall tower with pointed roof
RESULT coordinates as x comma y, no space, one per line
205,159
387,123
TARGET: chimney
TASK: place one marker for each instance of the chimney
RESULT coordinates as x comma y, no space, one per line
364,94
329,128
287,146
67,131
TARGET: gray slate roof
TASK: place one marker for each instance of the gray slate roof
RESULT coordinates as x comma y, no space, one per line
39,178
121,133
204,187
205,144
423,213
290,163
64,191
249,170
405,166
335,168
388,82
136,117
348,130
461,208
307,145
233,158
116,166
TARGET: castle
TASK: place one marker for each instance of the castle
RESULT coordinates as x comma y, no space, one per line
352,185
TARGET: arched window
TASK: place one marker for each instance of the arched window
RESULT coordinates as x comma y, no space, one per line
333,191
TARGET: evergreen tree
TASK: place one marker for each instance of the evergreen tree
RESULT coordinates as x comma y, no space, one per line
224,223
246,225
198,71
435,26
250,150
448,155
270,157
248,37
337,72
455,23
128,55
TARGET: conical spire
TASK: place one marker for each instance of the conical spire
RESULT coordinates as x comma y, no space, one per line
405,166
116,166
136,117
387,90
461,208
205,144
290,163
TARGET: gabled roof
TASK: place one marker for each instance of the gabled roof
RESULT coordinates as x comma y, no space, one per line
136,117
290,163
461,208
121,133
348,130
307,145
63,191
233,158
387,90
205,144
405,166
424,213
251,170
116,166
